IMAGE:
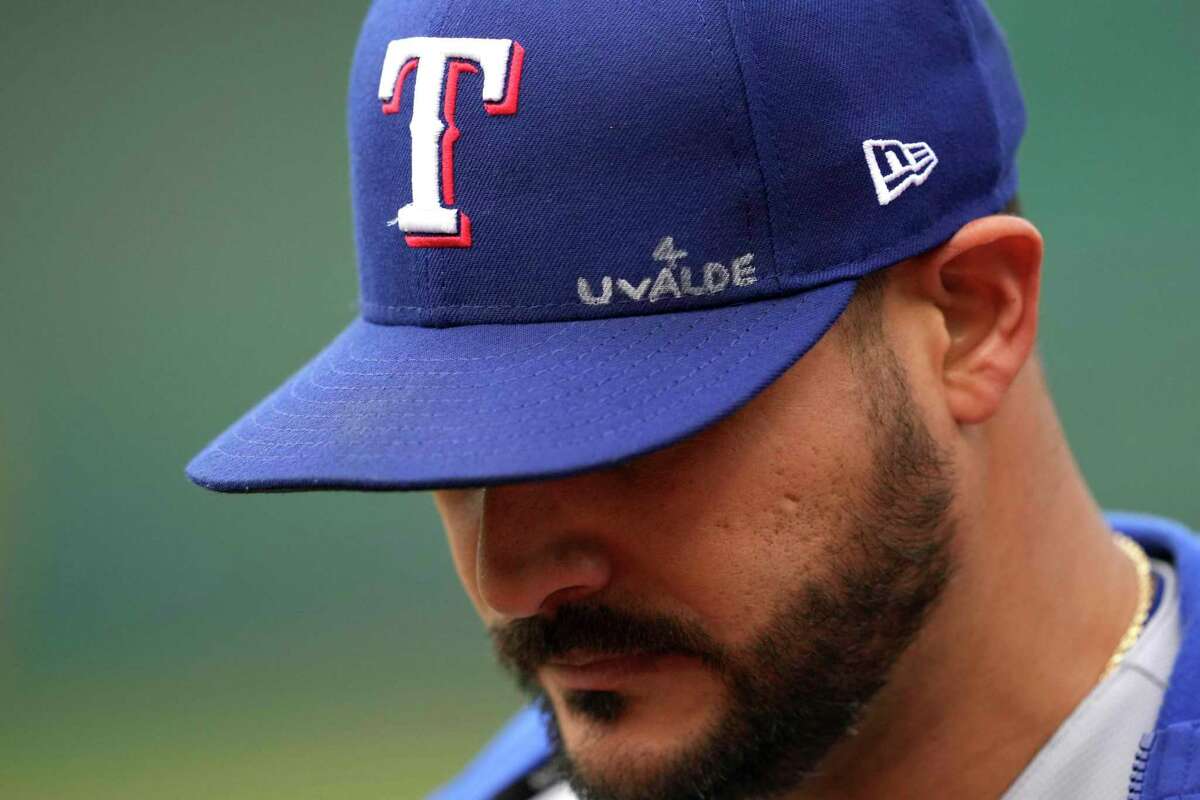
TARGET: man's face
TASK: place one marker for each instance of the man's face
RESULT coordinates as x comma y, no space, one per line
708,620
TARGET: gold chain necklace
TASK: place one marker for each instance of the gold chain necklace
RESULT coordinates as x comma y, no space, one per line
1142,563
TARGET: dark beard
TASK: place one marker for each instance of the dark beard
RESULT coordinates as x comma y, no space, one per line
806,681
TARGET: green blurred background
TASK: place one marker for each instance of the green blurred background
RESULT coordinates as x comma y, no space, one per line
175,239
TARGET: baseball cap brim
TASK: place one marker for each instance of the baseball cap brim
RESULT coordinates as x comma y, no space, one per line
395,407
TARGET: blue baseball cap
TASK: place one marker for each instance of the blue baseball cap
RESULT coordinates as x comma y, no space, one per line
588,230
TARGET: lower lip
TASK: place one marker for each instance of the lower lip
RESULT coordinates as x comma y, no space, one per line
606,673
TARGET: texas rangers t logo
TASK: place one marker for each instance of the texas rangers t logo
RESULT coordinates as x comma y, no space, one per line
431,220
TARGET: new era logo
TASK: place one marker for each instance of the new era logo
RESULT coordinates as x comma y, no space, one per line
895,166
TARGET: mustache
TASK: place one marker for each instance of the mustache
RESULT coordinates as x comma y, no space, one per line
524,645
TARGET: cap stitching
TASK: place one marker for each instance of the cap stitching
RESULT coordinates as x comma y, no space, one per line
219,450
253,418
970,46
604,342
435,22
598,342
492,357
758,161
730,123
467,440
617,352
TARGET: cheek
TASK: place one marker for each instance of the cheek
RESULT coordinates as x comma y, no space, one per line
736,547
752,566
460,521
733,555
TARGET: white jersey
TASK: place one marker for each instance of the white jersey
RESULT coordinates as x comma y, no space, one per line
1090,756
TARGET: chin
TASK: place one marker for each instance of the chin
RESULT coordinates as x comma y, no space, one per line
622,764
616,738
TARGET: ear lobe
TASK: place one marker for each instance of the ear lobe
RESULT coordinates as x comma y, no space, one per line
985,282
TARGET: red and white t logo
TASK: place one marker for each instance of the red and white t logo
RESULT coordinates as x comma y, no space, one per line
431,220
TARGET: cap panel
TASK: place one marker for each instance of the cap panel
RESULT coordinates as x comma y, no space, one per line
999,77
824,79
630,128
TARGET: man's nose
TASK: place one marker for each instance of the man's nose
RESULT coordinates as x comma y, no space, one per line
536,549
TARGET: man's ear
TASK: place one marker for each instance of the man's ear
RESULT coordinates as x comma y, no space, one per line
984,282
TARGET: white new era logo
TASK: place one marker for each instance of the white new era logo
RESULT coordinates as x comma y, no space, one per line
907,165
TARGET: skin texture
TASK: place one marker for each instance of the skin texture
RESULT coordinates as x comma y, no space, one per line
1018,603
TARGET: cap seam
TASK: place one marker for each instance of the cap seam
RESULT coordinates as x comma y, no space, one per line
971,43
731,140
758,161
437,23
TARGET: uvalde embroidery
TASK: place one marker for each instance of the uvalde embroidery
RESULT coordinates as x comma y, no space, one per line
672,281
